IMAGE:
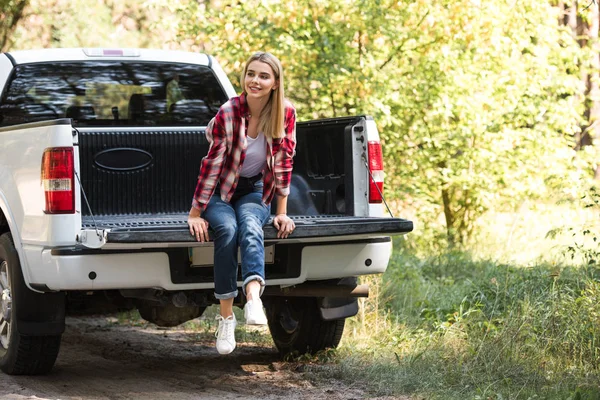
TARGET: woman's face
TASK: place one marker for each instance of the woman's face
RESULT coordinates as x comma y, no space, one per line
260,80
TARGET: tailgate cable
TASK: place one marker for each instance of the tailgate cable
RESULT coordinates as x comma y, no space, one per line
88,206
86,199
364,157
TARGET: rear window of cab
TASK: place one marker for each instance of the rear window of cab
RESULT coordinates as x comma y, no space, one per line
104,93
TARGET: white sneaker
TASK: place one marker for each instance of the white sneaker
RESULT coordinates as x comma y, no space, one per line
226,334
254,313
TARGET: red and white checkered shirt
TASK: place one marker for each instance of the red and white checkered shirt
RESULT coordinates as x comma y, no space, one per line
226,133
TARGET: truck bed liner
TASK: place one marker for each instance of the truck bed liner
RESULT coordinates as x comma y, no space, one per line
174,228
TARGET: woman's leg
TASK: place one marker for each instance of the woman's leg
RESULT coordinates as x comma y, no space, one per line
252,214
253,289
222,220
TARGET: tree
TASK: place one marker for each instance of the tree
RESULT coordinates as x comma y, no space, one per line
105,23
10,15
490,113
476,103
583,19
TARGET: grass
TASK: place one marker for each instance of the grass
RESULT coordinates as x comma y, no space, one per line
483,324
465,329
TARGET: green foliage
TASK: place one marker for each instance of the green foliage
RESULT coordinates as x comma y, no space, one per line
454,327
580,239
495,113
477,104
81,23
11,13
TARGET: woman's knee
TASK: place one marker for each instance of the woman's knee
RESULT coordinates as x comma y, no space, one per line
227,229
220,215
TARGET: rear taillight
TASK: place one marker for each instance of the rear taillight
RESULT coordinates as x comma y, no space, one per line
376,168
58,180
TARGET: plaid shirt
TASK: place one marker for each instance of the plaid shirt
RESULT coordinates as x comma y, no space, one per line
226,133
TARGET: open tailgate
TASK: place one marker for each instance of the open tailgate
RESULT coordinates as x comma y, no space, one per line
174,228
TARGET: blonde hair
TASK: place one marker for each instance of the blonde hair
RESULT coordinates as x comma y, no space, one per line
272,117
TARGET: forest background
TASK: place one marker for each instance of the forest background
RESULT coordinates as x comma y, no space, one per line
489,116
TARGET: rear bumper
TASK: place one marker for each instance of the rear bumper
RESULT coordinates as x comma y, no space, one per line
168,269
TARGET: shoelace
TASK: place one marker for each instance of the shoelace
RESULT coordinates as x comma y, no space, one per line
225,327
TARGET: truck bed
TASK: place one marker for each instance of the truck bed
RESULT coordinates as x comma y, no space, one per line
140,182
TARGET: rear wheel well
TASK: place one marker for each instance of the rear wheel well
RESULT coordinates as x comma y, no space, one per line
3,223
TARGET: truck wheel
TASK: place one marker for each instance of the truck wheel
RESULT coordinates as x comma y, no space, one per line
19,354
297,327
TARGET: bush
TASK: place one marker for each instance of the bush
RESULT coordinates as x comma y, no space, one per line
451,326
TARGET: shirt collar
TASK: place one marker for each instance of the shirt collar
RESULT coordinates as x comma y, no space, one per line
244,110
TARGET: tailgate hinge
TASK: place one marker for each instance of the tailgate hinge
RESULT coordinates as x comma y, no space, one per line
92,238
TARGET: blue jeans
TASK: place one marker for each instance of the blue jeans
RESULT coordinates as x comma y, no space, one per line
239,224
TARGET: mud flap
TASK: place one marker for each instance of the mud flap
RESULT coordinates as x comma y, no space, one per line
333,308
39,314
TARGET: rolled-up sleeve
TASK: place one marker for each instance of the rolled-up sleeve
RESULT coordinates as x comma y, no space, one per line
284,157
212,165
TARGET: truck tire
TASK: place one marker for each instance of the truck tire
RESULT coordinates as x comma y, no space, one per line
19,354
297,327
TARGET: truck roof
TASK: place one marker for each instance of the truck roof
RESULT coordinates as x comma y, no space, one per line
86,54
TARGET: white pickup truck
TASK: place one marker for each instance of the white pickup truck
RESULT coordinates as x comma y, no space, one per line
99,156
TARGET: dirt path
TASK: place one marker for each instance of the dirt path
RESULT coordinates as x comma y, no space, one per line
101,360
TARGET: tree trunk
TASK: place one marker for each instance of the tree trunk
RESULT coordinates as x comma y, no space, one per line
450,217
588,34
585,30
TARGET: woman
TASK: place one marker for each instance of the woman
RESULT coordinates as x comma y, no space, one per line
252,143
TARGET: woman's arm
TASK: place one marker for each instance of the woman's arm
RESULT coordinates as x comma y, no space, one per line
212,165
282,222
284,157
281,205
283,175
210,171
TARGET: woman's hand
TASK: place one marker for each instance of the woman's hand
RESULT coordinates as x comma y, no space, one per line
284,225
198,226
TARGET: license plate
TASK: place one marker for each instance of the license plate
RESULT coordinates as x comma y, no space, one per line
204,256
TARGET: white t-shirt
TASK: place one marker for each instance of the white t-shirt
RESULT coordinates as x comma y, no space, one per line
256,156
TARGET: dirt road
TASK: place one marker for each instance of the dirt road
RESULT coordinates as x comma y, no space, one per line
103,360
